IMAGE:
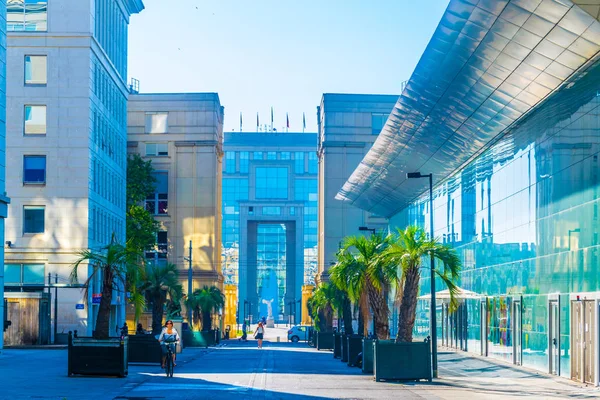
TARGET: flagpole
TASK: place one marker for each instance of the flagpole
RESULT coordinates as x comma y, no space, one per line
240,121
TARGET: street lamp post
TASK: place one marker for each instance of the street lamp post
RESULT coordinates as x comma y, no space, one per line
432,306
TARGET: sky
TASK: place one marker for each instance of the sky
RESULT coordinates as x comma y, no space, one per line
283,54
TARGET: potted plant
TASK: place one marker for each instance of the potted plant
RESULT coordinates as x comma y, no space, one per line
101,354
405,359
160,285
322,312
203,302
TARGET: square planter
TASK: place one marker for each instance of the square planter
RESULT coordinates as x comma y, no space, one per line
344,348
88,356
337,343
144,349
325,341
367,356
354,348
402,361
199,339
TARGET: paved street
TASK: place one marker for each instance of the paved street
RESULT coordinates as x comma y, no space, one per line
278,371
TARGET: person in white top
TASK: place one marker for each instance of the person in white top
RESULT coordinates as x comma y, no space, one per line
168,337
259,334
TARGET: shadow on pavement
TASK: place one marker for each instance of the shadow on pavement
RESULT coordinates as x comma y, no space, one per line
201,388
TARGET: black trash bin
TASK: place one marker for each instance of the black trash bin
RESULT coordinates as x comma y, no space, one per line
227,330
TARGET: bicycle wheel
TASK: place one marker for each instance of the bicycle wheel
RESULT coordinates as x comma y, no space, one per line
169,365
172,369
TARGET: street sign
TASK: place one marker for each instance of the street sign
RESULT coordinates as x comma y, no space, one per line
96,298
79,306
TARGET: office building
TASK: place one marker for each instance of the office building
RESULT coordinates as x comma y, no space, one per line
182,134
4,200
67,148
270,221
348,126
503,110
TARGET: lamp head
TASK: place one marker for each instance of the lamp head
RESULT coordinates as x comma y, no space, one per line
413,175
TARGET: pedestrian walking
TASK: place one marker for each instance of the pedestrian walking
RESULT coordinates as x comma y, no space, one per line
259,334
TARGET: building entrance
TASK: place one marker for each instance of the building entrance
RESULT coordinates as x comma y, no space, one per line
29,314
554,338
583,337
271,272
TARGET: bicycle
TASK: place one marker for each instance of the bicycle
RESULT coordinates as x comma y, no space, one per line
169,366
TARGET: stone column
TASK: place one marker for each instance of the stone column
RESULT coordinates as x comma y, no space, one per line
230,309
307,291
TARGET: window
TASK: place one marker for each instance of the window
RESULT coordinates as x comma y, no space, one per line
257,155
157,122
271,183
244,161
285,155
299,162
292,210
157,203
313,165
271,155
230,162
157,149
36,72
24,274
378,122
33,219
27,15
271,210
34,169
35,120
159,255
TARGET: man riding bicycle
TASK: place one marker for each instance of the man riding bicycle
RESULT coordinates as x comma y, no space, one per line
168,337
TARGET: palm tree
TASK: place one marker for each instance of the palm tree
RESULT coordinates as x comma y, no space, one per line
111,262
321,308
161,284
408,251
204,302
367,277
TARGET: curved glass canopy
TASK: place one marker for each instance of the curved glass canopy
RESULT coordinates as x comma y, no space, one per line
488,63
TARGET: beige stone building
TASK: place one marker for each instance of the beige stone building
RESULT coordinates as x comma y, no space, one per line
182,134
348,126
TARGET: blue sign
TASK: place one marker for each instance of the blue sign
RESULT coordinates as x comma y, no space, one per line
96,297
79,306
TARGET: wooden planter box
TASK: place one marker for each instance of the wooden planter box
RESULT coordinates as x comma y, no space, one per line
354,348
367,356
144,349
344,348
337,343
88,356
402,361
324,340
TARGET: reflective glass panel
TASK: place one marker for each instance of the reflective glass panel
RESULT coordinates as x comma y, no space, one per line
35,120
36,70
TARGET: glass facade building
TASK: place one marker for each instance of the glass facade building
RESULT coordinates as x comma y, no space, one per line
269,232
517,187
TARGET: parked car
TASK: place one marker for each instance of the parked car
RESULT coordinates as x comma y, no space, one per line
299,332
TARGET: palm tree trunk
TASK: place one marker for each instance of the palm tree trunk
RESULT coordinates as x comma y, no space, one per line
380,311
347,315
103,317
157,315
206,323
408,306
361,321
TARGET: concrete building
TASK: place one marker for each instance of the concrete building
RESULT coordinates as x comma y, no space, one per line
348,126
67,145
503,110
270,221
4,200
182,134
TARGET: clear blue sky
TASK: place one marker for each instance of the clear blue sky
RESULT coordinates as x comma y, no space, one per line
283,54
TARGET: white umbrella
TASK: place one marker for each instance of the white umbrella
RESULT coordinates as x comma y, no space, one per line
460,294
